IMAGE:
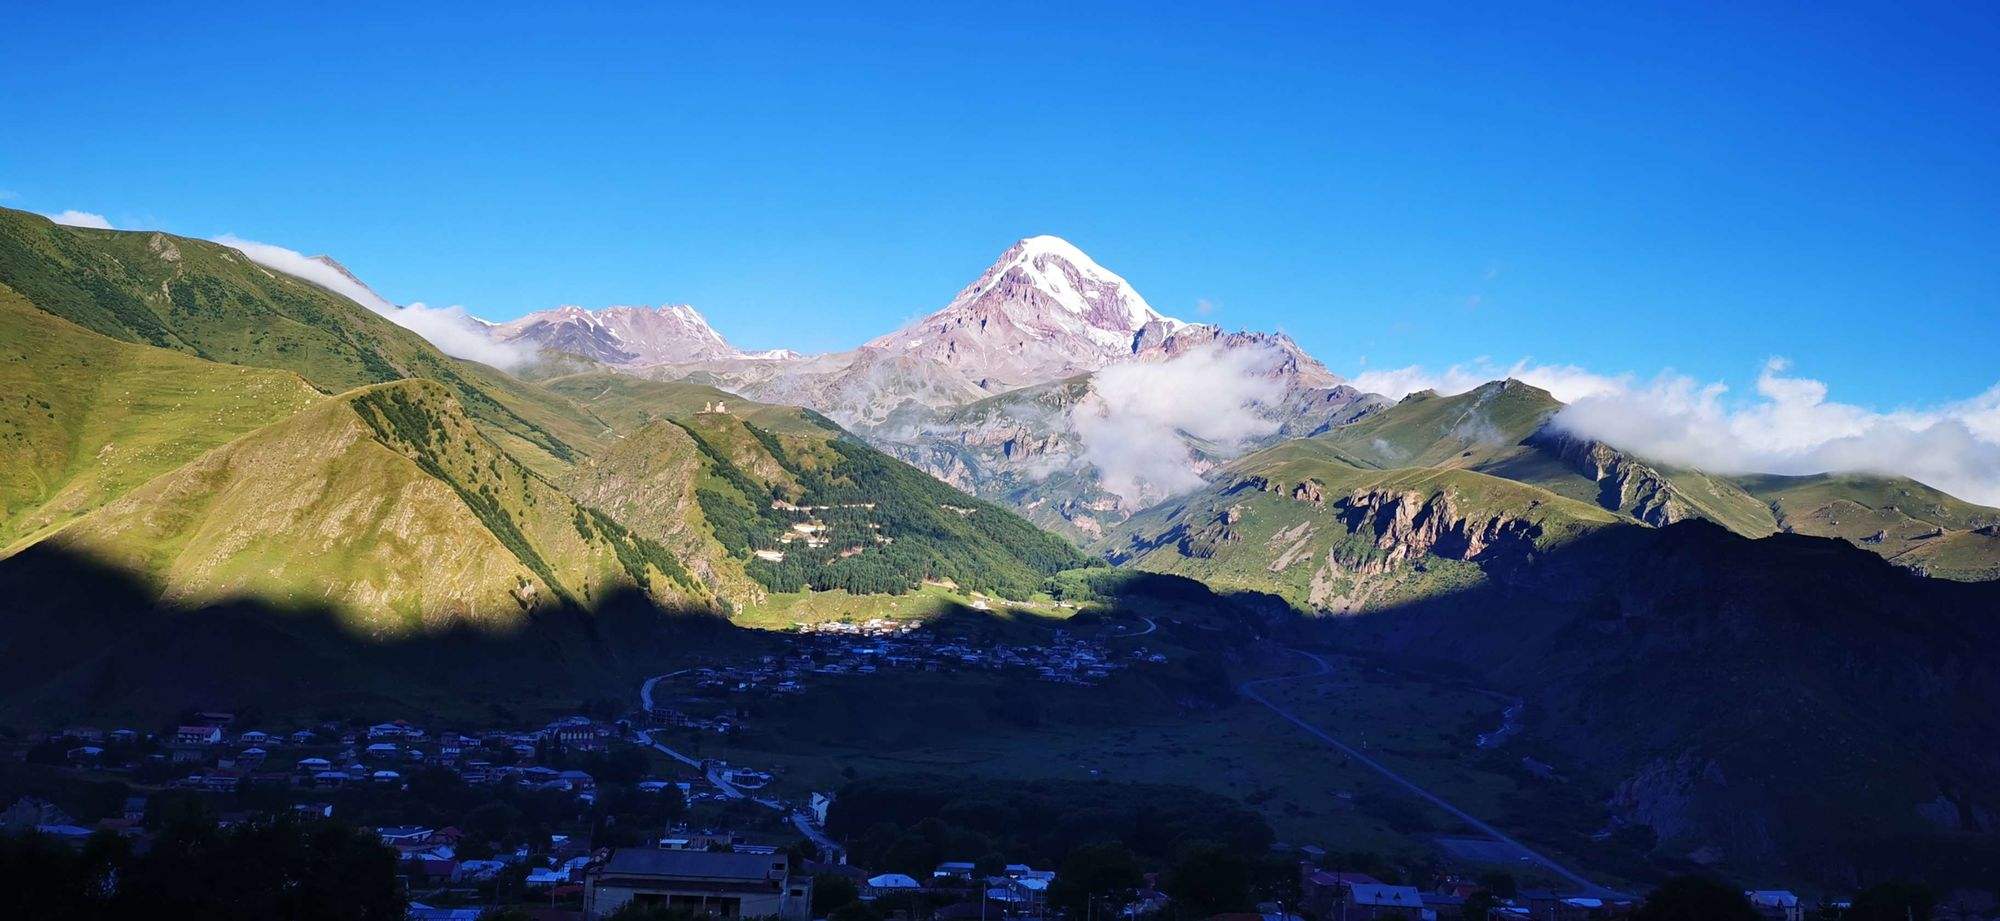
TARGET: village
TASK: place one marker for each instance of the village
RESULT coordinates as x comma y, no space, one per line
877,645
623,825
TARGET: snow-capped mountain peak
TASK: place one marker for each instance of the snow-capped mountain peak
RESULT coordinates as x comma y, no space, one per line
623,335
1043,310
1078,284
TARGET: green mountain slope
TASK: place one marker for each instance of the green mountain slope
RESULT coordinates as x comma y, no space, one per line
212,302
1481,426
796,502
1502,429
648,478
386,503
87,418
1854,736
626,403
1900,519
1328,536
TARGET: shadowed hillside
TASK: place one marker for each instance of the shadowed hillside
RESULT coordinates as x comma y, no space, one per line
1786,703
85,640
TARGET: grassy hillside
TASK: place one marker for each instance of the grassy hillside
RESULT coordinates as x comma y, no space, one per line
1427,430
627,403
1501,428
1893,516
1332,537
386,504
212,302
761,470
1967,556
647,478
87,418
87,640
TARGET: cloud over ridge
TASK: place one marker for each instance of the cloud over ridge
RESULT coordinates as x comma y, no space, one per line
454,331
74,218
1133,423
1789,427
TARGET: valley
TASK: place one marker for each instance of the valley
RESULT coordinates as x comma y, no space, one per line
1043,535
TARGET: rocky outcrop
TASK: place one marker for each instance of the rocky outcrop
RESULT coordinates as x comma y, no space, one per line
1623,484
1312,491
1203,542
1409,525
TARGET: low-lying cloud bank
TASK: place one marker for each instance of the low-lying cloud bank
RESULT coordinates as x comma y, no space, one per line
451,329
80,219
1568,383
1135,422
1789,428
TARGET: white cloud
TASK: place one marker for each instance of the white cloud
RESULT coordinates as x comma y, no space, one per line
1792,428
1133,423
1567,382
80,219
454,331
1789,427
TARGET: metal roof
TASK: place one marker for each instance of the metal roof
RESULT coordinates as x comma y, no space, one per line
694,864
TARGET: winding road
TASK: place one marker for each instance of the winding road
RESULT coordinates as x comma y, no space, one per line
1150,627
1251,690
646,690
713,772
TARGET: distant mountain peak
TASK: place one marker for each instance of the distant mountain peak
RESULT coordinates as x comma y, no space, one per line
626,335
1074,283
1042,311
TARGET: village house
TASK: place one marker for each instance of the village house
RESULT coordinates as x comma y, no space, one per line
579,734
199,734
397,835
720,883
1377,900
1776,904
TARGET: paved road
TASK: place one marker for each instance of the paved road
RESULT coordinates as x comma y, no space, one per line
713,774
646,690
1321,669
647,734
829,851
1150,627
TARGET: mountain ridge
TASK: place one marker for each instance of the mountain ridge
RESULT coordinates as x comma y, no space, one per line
371,412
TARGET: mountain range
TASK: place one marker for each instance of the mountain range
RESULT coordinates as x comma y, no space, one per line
227,430
986,392
216,476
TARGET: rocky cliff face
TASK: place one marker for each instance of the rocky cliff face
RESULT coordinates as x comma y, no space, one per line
1624,484
1409,525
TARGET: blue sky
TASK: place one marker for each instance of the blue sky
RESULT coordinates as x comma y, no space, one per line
1627,190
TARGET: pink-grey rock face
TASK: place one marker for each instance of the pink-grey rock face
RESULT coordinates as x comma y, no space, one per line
982,392
1042,312
631,337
